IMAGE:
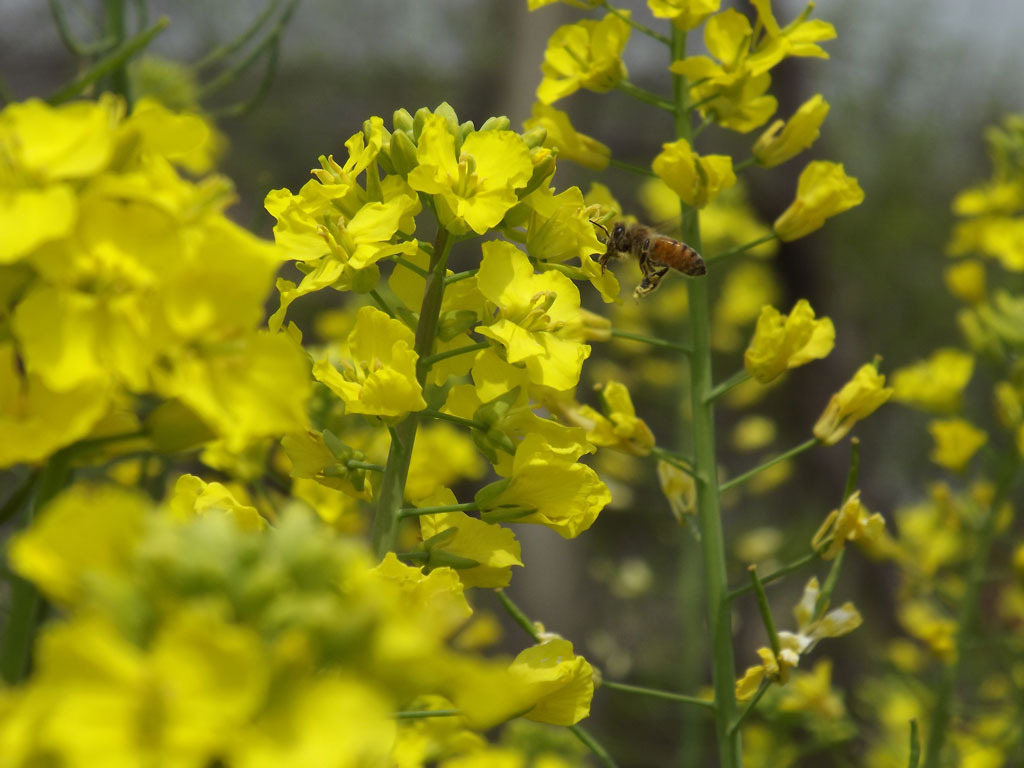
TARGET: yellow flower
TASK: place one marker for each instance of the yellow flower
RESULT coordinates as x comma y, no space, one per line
587,54
379,375
811,692
559,682
533,312
559,228
35,420
784,342
680,489
441,456
179,702
782,141
859,398
697,180
936,384
87,528
731,92
437,596
473,187
252,387
685,14
547,487
798,38
458,540
561,135
823,190
966,280
332,719
851,522
617,426
194,497
956,442
792,645
927,623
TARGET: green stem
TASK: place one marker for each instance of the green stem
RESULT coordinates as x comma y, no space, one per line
785,570
744,164
658,694
117,58
469,506
735,727
353,464
25,601
742,248
75,46
455,352
221,52
647,97
636,24
19,498
594,746
640,170
268,44
709,511
453,419
654,342
825,596
457,276
517,615
425,713
765,609
116,30
671,458
404,262
795,451
915,746
733,381
392,488
939,724
380,302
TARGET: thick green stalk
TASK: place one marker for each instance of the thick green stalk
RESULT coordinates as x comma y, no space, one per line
709,517
23,615
392,489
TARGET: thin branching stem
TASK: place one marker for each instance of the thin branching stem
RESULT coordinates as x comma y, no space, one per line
658,694
653,341
792,452
636,24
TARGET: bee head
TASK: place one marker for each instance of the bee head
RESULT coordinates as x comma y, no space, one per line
619,237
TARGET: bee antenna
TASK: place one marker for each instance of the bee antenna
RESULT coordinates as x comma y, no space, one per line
602,226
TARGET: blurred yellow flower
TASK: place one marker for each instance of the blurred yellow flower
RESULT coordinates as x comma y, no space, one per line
966,280
956,442
935,384
685,14
561,135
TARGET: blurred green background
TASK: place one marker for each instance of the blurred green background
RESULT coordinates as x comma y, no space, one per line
912,85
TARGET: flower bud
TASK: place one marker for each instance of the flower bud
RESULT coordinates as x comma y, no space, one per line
535,136
496,123
402,120
402,153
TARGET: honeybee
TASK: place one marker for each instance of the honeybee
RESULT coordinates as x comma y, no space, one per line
655,254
